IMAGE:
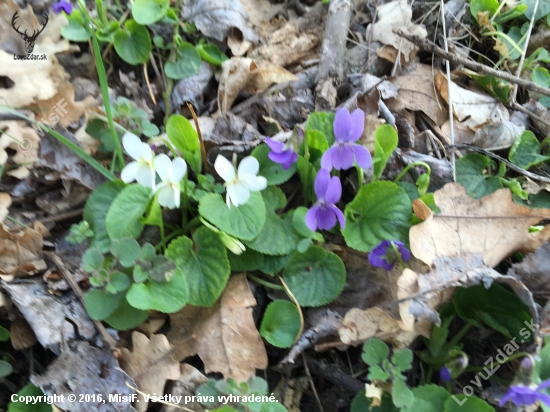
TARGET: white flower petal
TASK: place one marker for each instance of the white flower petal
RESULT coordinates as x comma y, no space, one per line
254,183
132,145
145,175
224,168
166,197
163,166
145,152
238,193
129,172
249,166
179,168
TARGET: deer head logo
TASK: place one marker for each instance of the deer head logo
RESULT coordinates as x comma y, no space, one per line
29,40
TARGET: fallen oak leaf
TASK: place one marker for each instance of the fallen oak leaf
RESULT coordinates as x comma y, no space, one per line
224,335
150,365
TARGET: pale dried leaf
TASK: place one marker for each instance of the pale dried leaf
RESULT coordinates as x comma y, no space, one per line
150,365
5,203
224,336
20,252
396,15
494,227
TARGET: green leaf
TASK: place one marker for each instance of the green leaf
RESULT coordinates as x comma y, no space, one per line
133,43
278,236
281,323
274,264
541,77
469,173
243,222
167,297
474,404
30,390
5,369
315,277
525,152
508,15
182,134
100,304
247,261
515,35
401,394
147,252
317,145
126,316
75,31
273,172
497,307
299,221
187,65
477,6
96,210
363,404
154,215
126,250
377,373
107,33
92,260
428,398
542,10
211,54
204,265
493,85
303,245
402,358
4,334
119,281
385,142
380,211
322,121
124,218
307,174
274,198
374,351
149,11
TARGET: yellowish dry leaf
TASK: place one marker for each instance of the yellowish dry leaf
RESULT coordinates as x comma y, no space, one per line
224,336
20,252
5,203
150,365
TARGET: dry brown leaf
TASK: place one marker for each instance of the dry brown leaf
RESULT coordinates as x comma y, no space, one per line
187,385
150,365
20,252
396,15
263,77
224,336
359,325
21,334
493,227
474,109
20,138
417,92
5,203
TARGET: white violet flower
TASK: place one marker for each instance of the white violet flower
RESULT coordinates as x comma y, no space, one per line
240,184
142,168
171,173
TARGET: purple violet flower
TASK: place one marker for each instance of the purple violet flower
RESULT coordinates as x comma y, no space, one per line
281,153
445,374
348,128
62,5
525,395
384,255
323,214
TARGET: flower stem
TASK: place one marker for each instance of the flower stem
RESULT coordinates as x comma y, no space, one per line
265,283
193,223
406,169
203,149
360,177
458,337
509,359
398,255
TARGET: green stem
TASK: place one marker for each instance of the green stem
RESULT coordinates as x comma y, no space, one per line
265,283
458,337
307,189
185,201
105,94
406,169
430,373
101,12
170,83
398,255
360,177
193,223
505,37
509,359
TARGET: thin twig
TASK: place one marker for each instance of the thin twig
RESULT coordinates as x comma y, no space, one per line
499,158
522,60
78,292
480,68
291,295
61,216
319,404
148,83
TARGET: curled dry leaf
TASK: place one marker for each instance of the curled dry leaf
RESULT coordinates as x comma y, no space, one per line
150,364
224,336
396,15
20,252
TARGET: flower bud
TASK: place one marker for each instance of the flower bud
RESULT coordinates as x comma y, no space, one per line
423,182
231,243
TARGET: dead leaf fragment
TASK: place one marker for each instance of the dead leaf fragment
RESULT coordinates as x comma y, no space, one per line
187,385
150,365
396,15
20,252
224,336
5,203
493,227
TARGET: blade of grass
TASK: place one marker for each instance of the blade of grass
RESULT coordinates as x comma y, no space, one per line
75,148
105,94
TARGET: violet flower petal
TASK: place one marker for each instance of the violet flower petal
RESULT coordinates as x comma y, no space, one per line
333,192
544,398
380,261
505,398
403,251
322,181
274,145
342,157
342,125
357,125
340,216
311,217
362,157
279,157
326,218
326,159
445,374
543,385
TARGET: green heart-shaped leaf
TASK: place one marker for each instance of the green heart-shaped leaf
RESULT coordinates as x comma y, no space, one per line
149,11
124,218
133,43
281,323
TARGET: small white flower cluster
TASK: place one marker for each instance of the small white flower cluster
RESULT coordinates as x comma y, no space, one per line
239,183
